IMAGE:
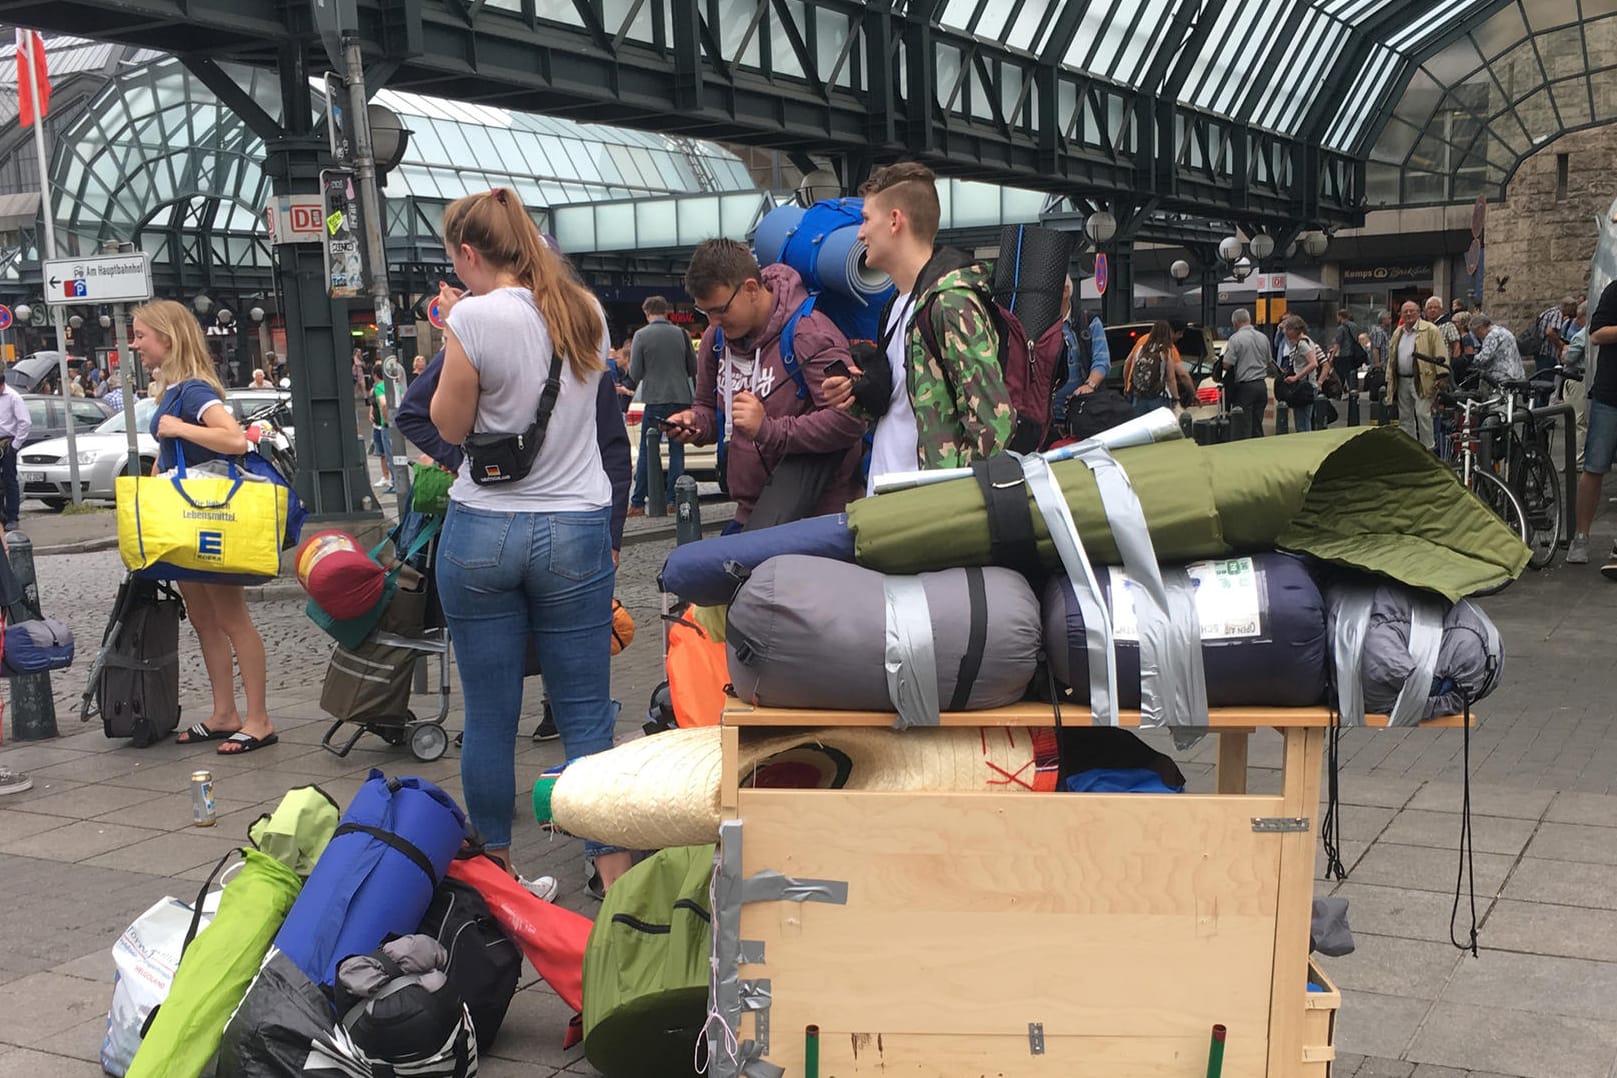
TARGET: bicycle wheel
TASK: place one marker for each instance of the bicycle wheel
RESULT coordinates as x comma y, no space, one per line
1498,497
1539,486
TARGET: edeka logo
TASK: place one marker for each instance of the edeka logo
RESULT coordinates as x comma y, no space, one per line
211,545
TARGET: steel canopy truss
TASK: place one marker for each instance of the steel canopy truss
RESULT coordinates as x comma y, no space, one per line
867,81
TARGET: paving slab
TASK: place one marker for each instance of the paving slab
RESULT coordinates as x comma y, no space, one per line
1489,834
26,1063
1390,966
1596,809
79,840
1487,799
1564,883
1539,928
46,1003
1515,1042
1574,842
1401,911
1371,1024
1541,984
1427,869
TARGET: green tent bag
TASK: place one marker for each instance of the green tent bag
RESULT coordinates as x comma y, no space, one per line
224,958
646,967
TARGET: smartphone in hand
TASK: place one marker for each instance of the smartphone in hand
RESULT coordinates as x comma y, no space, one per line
669,424
838,369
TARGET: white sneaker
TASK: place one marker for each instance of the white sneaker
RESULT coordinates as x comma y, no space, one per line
14,782
544,887
1577,551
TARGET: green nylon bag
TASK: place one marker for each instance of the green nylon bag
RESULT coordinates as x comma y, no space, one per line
224,958
646,967
429,489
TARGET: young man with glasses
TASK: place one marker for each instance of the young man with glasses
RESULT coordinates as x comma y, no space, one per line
761,404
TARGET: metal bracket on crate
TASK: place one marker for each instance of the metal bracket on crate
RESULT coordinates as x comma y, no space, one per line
1035,1038
731,995
1265,825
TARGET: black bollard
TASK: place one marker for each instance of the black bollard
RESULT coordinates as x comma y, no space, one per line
33,708
687,511
1240,425
1282,418
1186,425
1353,408
656,485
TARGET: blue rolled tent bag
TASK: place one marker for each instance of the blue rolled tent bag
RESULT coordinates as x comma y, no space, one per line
709,571
376,877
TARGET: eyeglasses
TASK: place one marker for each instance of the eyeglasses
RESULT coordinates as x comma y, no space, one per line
718,312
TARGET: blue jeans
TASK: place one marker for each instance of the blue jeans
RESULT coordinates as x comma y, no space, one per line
504,577
1302,419
651,437
1147,405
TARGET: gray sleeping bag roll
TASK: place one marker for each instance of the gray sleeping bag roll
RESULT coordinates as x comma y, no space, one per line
816,633
1391,635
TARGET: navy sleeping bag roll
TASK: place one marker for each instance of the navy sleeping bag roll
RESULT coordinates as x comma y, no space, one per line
1263,633
709,571
376,877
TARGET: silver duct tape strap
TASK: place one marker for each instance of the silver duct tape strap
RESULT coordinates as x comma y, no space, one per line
771,886
1185,674
1353,605
1425,642
1173,684
731,995
1063,531
912,663
724,982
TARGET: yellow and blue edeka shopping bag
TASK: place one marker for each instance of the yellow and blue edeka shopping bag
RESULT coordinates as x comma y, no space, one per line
217,529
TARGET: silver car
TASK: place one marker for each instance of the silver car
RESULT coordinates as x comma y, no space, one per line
103,454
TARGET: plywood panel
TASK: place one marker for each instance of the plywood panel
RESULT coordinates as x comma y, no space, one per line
1126,924
849,1054
1033,714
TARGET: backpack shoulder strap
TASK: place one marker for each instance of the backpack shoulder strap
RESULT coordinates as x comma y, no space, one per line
788,347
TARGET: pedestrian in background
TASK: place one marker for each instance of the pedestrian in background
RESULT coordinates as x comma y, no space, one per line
1556,328
192,418
1299,363
379,418
1412,380
662,365
1247,359
533,556
1574,390
15,423
1152,370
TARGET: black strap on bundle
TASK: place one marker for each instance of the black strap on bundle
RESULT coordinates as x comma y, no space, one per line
971,663
403,845
1467,866
1010,524
1330,825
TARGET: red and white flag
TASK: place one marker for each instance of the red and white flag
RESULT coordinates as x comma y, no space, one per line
33,80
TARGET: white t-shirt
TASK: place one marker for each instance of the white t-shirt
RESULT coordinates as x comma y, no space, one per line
508,343
895,447
1406,354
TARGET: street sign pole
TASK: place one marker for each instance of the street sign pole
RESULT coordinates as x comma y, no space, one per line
126,360
370,204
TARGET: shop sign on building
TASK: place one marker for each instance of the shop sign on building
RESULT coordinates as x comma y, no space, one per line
1387,273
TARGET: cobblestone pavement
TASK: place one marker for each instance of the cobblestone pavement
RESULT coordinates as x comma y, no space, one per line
105,833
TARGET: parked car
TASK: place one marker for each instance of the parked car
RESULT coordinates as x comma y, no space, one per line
48,416
103,453
30,372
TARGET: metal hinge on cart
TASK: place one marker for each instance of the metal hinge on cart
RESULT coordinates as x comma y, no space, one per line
1265,825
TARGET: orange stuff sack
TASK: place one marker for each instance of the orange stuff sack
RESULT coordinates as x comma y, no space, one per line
698,672
622,627
339,575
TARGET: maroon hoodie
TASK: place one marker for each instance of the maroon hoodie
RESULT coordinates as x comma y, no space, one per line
791,423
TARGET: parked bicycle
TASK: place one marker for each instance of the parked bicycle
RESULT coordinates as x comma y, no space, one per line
1501,450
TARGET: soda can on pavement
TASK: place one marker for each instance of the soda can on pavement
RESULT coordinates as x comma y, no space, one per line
202,813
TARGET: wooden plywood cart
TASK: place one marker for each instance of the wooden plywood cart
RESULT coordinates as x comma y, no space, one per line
1011,935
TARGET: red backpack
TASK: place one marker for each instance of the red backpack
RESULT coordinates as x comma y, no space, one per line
1029,367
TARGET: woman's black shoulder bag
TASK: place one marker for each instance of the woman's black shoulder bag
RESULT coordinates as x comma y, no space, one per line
506,458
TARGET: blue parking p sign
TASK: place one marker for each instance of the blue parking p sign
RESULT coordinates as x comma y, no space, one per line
211,544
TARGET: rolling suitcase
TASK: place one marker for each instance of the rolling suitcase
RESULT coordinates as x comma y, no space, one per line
137,675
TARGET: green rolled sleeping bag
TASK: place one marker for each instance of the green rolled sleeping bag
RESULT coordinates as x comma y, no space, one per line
1369,498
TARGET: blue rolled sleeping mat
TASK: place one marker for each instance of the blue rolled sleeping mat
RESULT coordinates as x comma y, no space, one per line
1264,642
376,877
709,571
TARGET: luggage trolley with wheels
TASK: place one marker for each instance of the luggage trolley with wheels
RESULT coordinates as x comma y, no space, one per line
369,686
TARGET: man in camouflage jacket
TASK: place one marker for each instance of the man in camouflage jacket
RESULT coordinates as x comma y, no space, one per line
940,407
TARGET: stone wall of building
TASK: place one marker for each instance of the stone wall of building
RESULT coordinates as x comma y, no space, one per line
1541,239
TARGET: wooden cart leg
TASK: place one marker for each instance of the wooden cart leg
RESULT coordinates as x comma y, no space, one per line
1231,772
1304,758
